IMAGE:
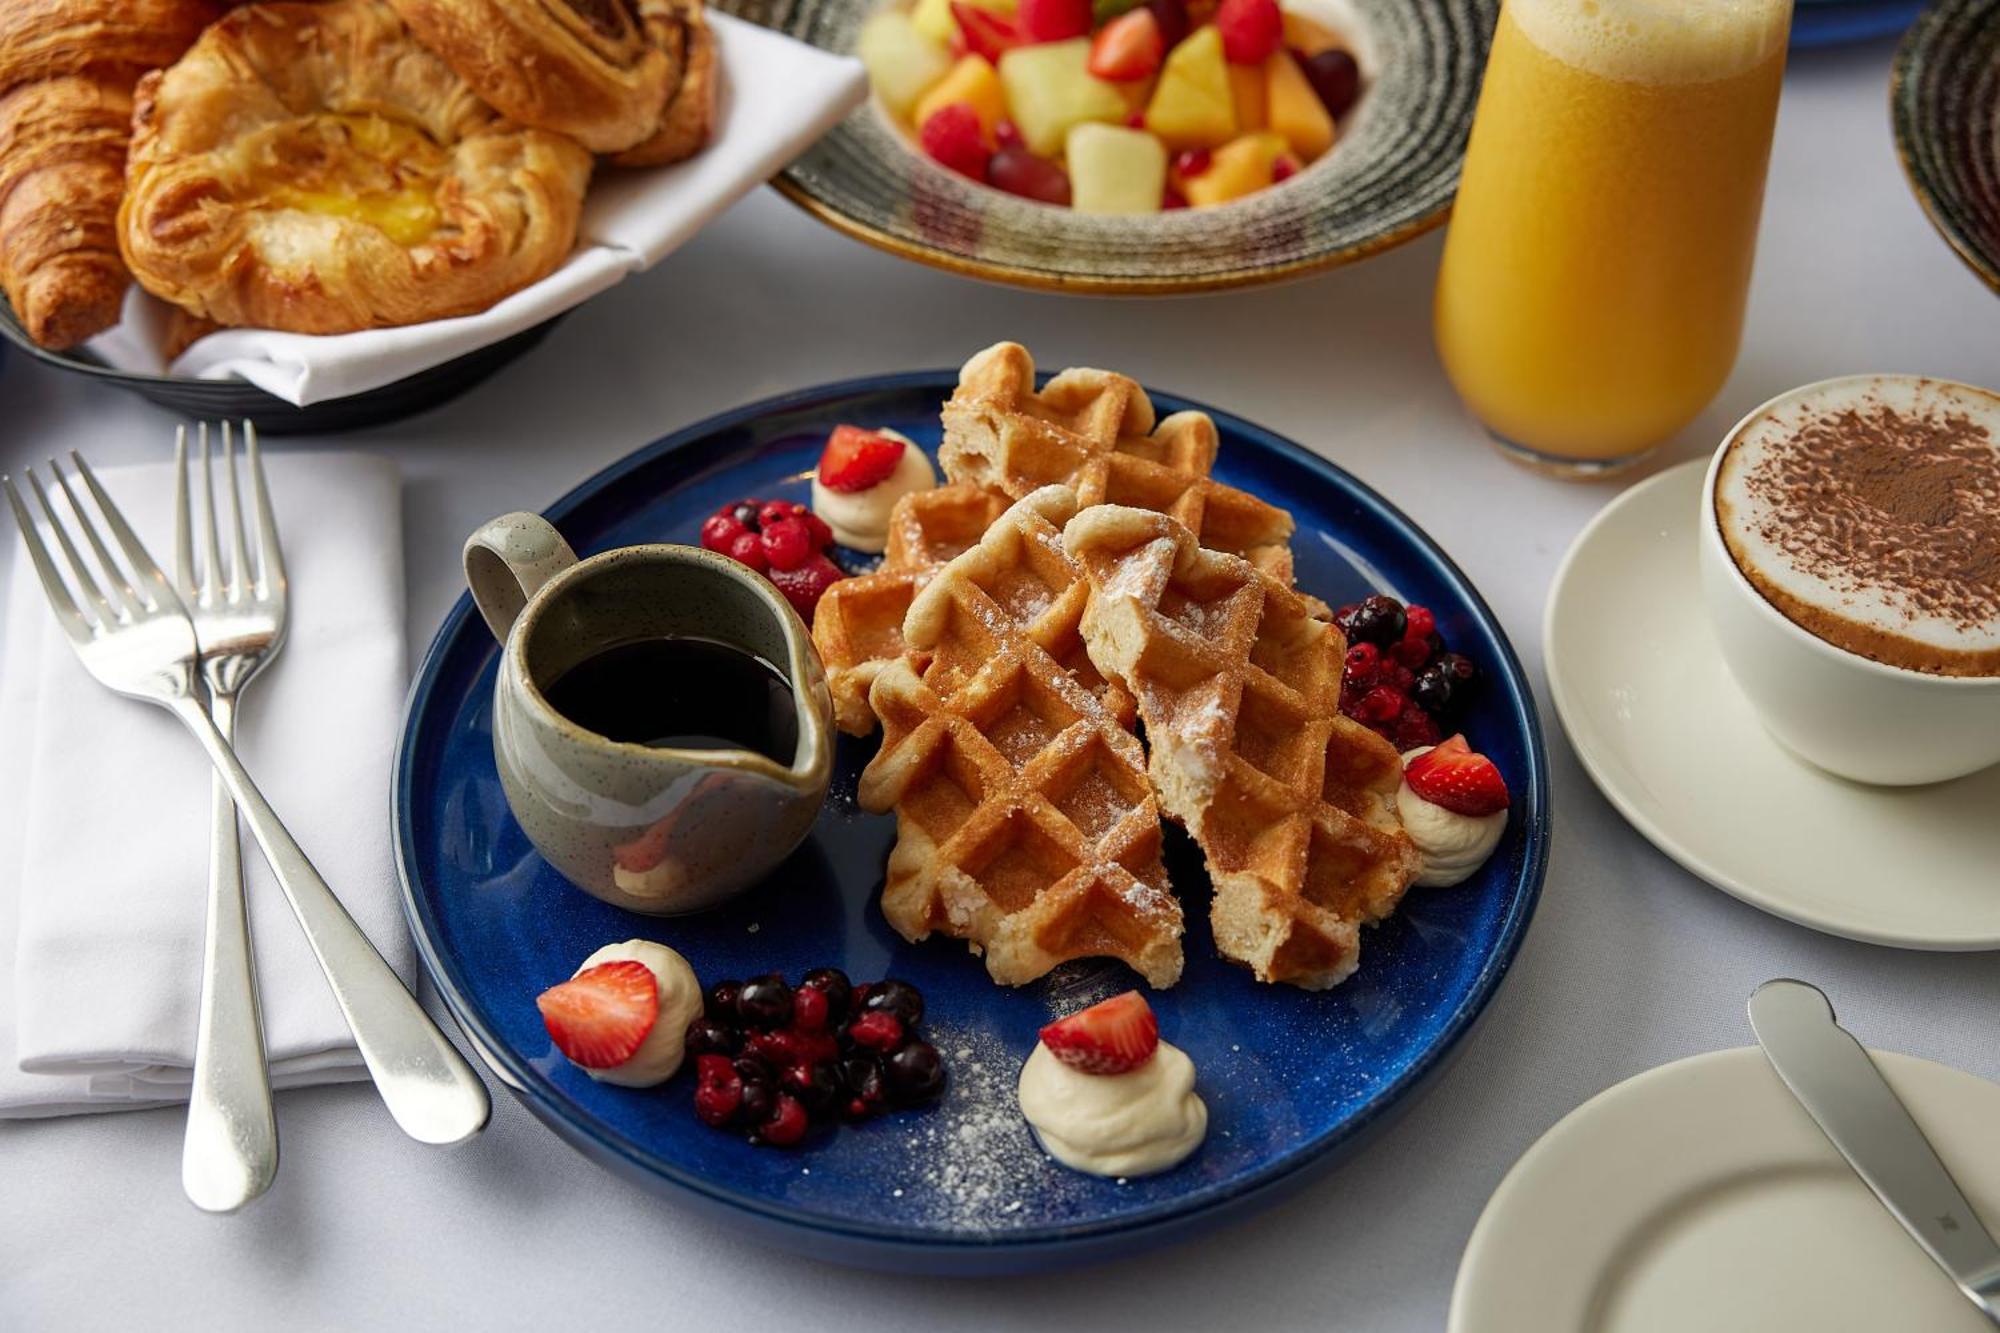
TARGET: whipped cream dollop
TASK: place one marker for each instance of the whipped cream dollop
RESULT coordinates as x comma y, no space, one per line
860,519
1131,1124
1453,845
659,1055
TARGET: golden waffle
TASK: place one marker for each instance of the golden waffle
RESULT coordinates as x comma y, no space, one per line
1025,824
858,625
1238,685
1094,431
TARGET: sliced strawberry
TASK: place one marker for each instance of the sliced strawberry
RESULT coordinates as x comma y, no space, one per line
1251,30
855,459
1053,20
599,1016
952,136
985,33
1457,779
1114,1037
1129,47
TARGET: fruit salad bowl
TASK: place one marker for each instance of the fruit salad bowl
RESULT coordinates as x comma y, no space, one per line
1389,175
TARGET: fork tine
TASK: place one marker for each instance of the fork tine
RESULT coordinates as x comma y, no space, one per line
211,574
106,613
122,599
75,624
240,578
147,571
270,556
183,515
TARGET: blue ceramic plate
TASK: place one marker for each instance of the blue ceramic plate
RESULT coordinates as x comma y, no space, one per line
1293,1080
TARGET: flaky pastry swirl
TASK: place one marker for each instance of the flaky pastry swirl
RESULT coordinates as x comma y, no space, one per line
314,168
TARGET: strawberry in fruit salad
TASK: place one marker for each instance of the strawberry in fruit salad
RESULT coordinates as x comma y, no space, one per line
1085,103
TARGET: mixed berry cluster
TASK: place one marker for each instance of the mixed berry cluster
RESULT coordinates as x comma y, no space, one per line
1399,680
784,541
772,1059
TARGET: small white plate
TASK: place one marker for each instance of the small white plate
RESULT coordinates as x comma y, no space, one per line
1661,727
1699,1195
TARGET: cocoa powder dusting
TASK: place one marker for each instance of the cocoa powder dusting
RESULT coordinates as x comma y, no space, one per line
1873,499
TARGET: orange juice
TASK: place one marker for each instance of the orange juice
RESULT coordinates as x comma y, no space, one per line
1591,296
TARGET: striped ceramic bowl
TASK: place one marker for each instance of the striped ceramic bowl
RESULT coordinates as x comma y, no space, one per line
1391,176
1944,98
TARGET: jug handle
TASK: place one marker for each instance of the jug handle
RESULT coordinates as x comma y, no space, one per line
506,563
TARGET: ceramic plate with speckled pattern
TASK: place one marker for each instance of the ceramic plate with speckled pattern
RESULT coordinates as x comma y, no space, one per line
1390,177
1294,1081
1944,96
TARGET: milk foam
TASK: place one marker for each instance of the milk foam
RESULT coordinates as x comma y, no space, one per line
1846,592
1656,41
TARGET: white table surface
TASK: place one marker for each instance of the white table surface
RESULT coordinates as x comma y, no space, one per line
1630,962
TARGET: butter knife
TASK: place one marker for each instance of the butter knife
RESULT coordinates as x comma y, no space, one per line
1833,1078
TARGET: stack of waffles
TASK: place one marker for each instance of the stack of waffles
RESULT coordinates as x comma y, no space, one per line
1084,568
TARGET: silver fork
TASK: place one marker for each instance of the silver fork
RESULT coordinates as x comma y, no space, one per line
135,637
230,1152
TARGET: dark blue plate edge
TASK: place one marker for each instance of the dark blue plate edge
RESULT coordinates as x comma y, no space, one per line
1166,1218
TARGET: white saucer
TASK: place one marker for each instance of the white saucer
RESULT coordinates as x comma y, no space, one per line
1699,1195
1664,732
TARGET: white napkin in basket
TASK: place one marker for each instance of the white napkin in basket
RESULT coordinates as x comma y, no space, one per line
777,96
104,811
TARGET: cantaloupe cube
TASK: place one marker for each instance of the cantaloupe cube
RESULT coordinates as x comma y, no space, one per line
902,62
1113,169
1241,166
974,81
1246,90
1050,89
1293,109
935,20
1310,37
1192,107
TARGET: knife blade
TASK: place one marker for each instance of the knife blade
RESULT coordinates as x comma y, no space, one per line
1844,1093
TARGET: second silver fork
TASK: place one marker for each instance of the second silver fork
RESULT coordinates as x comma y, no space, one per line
230,1152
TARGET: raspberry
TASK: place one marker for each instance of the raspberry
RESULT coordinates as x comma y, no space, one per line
804,586
1251,30
822,535
1380,704
1419,623
1415,727
749,548
877,1030
1411,651
1397,676
787,542
718,531
770,512
952,135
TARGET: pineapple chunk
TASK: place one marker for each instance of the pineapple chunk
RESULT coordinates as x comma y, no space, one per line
973,81
1241,166
1293,109
1050,89
1193,107
1113,169
935,20
1246,89
1308,37
901,61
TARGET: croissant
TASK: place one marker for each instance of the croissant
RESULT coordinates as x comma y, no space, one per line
67,68
314,168
585,68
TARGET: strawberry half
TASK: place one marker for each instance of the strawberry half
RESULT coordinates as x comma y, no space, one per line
1129,47
599,1016
1114,1037
984,32
855,459
1457,779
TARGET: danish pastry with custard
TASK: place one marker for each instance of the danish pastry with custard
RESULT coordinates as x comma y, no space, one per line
315,168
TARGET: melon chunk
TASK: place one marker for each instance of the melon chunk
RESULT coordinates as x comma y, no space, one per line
1113,169
1050,90
902,62
1193,106
1293,109
973,81
1241,166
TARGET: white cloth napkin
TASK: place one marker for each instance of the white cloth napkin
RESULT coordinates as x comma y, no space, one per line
776,97
104,811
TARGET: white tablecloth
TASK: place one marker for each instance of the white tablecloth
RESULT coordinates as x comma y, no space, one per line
1631,961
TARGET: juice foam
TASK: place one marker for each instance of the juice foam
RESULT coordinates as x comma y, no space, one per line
1657,41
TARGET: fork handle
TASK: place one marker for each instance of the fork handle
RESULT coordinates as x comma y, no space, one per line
429,1089
229,1154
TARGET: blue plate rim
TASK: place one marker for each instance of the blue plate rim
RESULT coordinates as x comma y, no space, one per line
525,1081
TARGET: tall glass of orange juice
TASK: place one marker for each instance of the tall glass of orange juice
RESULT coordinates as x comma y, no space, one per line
1591,296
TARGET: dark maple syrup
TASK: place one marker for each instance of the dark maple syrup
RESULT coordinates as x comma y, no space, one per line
681,693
